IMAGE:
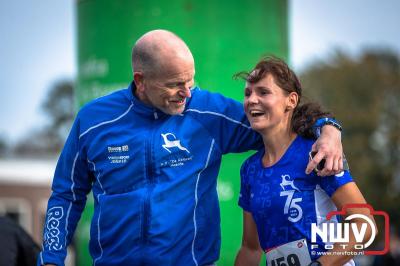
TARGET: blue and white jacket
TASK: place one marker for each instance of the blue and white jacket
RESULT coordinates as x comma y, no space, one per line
153,178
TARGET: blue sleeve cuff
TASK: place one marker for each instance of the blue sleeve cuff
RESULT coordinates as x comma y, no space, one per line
56,258
325,121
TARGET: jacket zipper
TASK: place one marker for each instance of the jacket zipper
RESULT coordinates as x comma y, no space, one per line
150,184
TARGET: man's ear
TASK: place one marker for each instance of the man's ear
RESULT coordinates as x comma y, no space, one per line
138,79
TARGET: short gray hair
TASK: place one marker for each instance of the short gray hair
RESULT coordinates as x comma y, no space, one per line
144,58
150,50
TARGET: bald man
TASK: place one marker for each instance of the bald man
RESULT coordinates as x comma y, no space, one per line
163,71
151,155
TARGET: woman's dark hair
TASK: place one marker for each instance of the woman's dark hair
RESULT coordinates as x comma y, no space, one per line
305,114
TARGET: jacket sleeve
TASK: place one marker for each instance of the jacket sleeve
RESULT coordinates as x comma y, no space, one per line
225,120
71,184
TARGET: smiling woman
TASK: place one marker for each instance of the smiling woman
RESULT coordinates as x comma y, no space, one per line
276,195
274,84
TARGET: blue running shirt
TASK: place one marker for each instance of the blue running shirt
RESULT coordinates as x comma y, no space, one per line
283,200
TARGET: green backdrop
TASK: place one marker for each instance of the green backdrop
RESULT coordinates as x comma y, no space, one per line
225,37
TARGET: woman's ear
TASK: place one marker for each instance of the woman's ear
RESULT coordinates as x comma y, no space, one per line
292,101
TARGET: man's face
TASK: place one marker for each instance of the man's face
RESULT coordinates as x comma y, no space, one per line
168,89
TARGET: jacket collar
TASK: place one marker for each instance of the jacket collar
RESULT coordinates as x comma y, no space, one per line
141,108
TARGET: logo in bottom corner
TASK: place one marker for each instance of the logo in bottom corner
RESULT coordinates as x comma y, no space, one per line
339,233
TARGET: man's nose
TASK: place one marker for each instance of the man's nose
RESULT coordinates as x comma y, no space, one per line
185,92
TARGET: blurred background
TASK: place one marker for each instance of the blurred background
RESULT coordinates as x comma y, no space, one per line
57,55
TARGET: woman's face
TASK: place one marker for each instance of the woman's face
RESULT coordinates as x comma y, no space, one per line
266,104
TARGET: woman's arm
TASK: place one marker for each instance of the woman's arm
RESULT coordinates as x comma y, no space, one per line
250,252
348,193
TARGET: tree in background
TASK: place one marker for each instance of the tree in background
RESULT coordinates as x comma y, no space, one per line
364,94
3,146
59,108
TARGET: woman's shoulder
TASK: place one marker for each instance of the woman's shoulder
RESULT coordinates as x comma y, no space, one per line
302,147
253,159
305,142
256,156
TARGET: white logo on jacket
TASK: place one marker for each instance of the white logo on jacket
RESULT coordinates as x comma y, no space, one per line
52,231
117,154
172,143
118,148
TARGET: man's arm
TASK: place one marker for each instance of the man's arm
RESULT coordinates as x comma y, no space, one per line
71,184
250,252
329,147
226,121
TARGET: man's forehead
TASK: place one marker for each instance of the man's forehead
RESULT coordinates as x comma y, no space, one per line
175,67
184,76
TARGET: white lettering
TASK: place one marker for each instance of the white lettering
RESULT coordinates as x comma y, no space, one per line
118,148
52,233
322,233
343,246
114,149
119,159
359,235
338,234
371,225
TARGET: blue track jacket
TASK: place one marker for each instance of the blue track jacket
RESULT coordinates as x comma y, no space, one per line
153,178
